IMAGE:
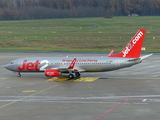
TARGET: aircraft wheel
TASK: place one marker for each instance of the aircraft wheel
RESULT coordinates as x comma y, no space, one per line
19,75
77,74
71,76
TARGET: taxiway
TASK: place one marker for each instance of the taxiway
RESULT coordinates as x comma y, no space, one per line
126,94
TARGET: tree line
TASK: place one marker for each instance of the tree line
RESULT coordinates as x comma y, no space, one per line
40,9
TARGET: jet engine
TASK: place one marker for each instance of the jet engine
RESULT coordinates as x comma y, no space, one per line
52,73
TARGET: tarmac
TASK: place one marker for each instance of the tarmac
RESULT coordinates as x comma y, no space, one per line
127,94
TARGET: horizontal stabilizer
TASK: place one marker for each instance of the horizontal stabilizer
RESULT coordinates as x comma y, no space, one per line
134,59
143,57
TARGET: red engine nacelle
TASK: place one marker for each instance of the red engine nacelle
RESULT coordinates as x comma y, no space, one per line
52,73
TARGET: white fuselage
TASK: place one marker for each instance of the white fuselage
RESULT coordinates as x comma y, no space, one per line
83,64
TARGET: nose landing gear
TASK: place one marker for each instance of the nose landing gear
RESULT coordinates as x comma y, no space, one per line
19,74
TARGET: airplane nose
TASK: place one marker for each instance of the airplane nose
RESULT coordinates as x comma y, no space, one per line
8,67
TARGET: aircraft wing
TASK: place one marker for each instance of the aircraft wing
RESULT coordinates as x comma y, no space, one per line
71,68
79,69
76,69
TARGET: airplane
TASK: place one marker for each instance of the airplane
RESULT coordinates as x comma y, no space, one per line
56,66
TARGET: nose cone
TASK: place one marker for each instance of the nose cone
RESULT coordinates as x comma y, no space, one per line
7,67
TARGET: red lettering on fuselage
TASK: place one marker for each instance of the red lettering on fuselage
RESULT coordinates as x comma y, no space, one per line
29,66
81,60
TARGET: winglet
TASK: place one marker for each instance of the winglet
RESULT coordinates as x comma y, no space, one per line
72,64
133,48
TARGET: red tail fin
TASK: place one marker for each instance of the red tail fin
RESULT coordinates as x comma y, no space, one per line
133,48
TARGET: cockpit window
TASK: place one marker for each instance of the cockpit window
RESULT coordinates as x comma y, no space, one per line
12,63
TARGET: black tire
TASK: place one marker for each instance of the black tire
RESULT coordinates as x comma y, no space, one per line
77,74
71,76
19,75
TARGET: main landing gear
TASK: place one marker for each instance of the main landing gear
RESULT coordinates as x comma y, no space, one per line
77,74
19,74
71,76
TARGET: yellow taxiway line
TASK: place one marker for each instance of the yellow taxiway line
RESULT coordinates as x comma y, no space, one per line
53,79
10,103
87,79
29,91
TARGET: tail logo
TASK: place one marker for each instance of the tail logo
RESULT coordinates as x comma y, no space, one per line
132,43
